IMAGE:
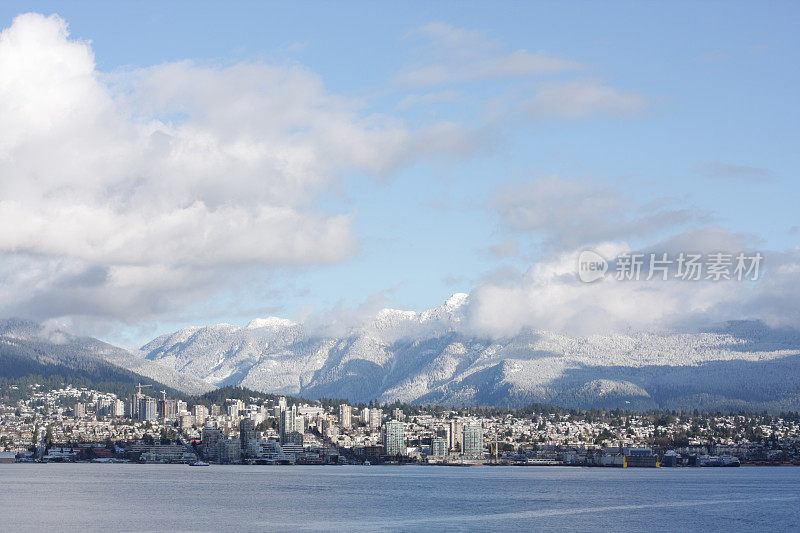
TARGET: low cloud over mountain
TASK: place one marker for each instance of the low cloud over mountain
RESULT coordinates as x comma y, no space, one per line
430,357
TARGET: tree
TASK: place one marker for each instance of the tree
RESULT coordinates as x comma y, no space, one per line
604,436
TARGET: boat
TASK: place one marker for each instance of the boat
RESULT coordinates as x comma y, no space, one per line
198,463
718,460
730,460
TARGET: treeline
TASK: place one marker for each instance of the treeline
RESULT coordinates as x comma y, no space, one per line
19,388
13,389
34,362
218,396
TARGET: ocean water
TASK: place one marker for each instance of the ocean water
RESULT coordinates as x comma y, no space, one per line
132,497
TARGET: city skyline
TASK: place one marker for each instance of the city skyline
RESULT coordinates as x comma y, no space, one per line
281,266
69,424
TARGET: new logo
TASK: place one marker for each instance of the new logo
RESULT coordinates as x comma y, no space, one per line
591,266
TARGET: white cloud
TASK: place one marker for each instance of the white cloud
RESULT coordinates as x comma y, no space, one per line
549,295
451,55
505,249
583,98
456,55
574,215
341,319
568,213
727,171
131,192
437,97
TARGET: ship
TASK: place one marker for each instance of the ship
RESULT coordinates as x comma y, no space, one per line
718,460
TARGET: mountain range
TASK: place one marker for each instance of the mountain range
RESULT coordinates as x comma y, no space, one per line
430,357
28,348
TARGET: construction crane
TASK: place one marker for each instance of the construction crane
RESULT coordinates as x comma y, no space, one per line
140,387
163,395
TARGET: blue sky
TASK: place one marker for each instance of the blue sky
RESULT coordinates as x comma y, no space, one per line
686,107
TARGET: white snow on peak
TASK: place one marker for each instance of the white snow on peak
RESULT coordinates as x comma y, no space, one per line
408,356
223,326
450,312
270,322
457,300
453,303
397,314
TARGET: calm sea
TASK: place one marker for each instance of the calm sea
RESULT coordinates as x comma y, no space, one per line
59,497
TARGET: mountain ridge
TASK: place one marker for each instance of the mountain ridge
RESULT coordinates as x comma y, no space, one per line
430,357
31,348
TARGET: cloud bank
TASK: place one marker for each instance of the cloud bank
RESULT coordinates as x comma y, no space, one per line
453,56
569,216
137,191
567,212
134,194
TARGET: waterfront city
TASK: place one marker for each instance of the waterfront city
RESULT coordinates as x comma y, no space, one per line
71,424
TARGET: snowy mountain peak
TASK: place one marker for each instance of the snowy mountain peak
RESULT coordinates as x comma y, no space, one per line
271,322
457,300
432,357
452,304
397,314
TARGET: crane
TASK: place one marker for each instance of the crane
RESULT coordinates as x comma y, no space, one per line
140,387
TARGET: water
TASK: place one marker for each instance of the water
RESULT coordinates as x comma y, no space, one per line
131,497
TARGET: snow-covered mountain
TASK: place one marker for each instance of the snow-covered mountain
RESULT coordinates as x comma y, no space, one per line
429,357
28,347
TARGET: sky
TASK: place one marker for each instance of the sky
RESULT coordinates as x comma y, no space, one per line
168,164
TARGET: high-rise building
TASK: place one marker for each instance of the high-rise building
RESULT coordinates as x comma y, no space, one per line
394,440
186,420
79,410
375,418
148,409
132,407
329,429
210,437
102,406
117,408
261,414
455,435
288,420
200,413
472,441
365,415
247,431
294,438
398,414
167,410
229,450
132,410
344,415
291,426
438,447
